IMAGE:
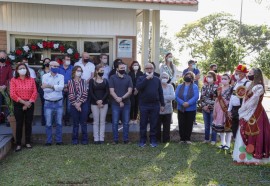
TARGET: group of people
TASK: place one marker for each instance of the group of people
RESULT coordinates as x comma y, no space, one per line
230,109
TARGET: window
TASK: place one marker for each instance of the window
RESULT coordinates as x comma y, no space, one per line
96,47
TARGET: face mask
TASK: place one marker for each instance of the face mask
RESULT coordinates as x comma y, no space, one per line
104,61
2,60
215,71
251,77
100,74
187,79
55,70
164,81
193,66
236,77
121,72
210,80
148,74
225,82
26,64
135,67
22,71
86,60
46,65
78,74
170,59
67,63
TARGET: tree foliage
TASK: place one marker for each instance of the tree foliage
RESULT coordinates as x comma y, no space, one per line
263,62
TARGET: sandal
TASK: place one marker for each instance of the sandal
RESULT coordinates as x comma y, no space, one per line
18,148
28,146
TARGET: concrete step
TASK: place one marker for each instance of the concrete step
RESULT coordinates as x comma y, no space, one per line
5,145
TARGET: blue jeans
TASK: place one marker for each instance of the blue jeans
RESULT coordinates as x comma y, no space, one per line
116,112
208,119
67,105
148,113
50,108
3,102
79,118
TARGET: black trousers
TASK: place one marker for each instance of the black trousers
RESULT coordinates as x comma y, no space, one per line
23,117
185,123
165,120
235,120
134,106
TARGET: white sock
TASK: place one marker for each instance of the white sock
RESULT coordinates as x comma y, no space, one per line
228,138
222,138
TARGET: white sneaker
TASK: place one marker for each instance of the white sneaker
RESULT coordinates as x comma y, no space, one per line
189,142
213,142
131,122
205,141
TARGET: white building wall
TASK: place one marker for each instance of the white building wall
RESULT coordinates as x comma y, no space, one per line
67,20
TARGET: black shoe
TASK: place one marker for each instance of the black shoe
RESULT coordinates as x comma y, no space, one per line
127,142
48,144
18,148
115,142
101,142
59,143
96,142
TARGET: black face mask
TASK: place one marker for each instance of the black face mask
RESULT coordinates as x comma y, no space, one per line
187,79
46,65
2,60
86,60
121,71
251,77
100,74
215,71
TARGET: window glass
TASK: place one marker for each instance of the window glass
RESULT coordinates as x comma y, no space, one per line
96,47
19,42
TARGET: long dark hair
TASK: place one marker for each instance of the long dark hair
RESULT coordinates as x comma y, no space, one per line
258,78
27,75
131,69
171,64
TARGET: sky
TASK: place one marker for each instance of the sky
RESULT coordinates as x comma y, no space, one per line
252,13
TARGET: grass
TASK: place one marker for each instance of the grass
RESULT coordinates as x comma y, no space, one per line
199,117
168,164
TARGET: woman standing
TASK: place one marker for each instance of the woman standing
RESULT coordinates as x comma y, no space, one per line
186,96
221,121
23,92
165,116
169,68
134,73
99,93
252,143
77,96
43,70
208,96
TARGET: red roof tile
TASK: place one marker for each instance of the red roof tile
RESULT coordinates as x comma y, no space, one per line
176,2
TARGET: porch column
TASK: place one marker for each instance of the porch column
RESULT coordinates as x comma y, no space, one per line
155,38
145,38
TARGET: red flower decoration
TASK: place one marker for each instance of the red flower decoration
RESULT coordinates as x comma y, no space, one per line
62,48
45,44
76,55
19,52
50,44
33,47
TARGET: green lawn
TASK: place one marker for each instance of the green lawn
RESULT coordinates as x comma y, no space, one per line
168,164
199,117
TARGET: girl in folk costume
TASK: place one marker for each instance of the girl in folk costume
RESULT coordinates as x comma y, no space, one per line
252,144
169,68
221,121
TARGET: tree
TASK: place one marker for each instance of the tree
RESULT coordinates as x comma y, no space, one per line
226,54
263,62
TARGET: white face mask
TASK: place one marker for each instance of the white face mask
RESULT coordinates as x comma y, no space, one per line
22,71
148,74
236,77
136,67
170,59
210,80
164,81
78,74
67,63
26,64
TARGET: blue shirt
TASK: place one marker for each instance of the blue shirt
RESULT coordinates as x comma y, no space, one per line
67,73
195,71
192,101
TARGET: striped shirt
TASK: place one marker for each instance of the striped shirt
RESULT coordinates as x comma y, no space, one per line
77,91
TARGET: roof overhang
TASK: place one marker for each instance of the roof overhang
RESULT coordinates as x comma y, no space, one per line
112,4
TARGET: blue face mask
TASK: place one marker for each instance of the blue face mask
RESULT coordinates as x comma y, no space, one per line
194,66
55,70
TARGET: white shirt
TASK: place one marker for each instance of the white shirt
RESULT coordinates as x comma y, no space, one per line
107,70
88,69
235,101
57,82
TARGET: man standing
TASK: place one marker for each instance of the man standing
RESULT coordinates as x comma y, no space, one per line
151,102
107,69
236,100
193,68
66,71
87,67
32,71
5,77
120,89
53,85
